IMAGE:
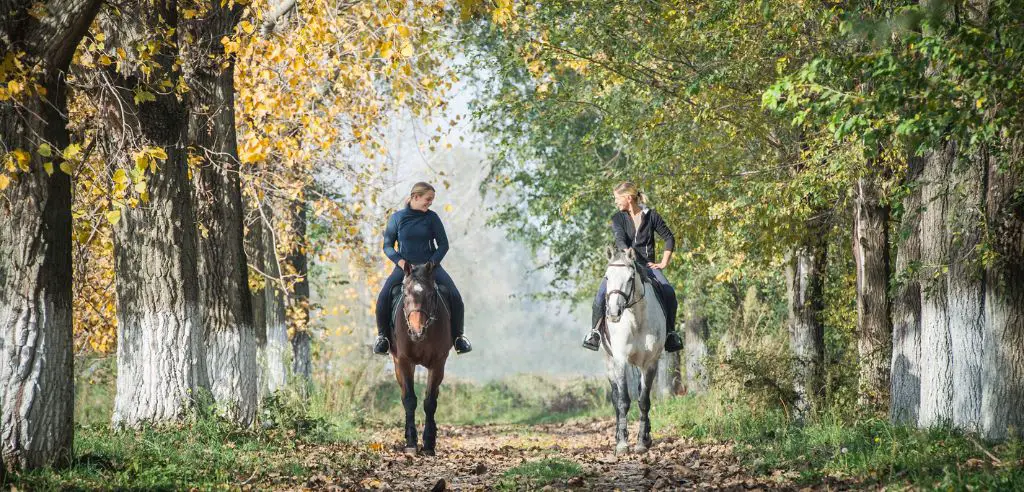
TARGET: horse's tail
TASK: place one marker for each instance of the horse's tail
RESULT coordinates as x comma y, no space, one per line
633,381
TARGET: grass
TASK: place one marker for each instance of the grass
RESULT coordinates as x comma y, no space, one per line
867,450
536,474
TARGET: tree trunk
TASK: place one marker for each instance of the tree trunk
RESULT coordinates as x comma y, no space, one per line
302,365
36,374
906,336
871,254
269,317
161,370
669,381
965,290
936,364
696,348
1003,379
227,302
805,293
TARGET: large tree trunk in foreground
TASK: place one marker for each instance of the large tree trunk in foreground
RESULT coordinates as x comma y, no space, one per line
161,371
805,273
871,254
1002,404
36,375
965,290
302,364
906,334
223,271
936,366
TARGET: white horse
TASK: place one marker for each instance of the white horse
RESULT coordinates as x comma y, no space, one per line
635,337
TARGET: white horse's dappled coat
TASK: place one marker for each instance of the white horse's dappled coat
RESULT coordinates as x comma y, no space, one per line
635,337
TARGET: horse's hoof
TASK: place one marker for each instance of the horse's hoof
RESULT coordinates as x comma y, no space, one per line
427,452
640,448
621,448
410,451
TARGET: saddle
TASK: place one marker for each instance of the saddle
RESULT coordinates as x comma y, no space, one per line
398,299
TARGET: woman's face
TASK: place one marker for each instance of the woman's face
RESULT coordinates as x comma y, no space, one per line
623,200
422,202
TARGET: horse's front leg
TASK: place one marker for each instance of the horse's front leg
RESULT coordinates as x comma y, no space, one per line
434,378
620,398
644,440
404,371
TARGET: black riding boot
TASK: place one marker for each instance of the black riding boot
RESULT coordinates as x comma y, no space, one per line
462,344
593,339
381,346
673,343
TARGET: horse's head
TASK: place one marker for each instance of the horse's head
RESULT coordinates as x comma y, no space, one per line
420,305
624,284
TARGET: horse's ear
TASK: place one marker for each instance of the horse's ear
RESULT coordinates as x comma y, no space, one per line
407,268
631,254
609,251
429,267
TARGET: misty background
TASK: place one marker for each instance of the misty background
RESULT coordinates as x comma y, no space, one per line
512,331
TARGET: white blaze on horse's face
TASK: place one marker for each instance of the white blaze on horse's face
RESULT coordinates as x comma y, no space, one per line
621,286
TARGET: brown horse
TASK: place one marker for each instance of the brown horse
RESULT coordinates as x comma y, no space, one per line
422,337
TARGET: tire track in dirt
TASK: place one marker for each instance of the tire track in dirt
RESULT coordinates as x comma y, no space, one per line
476,457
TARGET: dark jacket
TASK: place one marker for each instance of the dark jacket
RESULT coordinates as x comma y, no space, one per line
416,233
642,241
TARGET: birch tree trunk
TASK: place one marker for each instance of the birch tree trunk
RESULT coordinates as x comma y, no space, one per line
227,302
906,336
36,375
161,370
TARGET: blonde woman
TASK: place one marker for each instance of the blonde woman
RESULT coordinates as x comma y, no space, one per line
421,238
634,227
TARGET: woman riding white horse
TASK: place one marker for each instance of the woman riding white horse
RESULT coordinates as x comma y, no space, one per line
634,226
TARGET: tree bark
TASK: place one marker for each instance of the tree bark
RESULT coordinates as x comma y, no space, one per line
936,364
906,337
871,255
965,290
36,374
227,302
161,370
1003,379
302,365
696,348
269,316
805,293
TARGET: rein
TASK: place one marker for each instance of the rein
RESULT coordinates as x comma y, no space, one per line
631,299
431,316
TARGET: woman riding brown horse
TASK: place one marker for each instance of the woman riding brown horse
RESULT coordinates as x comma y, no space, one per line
422,337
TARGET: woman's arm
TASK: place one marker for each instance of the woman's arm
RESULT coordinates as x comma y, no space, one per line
441,238
666,234
390,238
622,240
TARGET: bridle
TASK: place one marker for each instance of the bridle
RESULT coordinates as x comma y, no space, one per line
631,298
431,316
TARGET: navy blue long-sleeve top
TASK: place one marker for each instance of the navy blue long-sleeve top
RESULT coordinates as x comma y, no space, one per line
420,236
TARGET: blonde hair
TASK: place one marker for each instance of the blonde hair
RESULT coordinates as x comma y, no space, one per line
629,189
418,190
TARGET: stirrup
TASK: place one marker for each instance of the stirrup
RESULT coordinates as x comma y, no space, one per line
381,346
464,346
592,341
672,342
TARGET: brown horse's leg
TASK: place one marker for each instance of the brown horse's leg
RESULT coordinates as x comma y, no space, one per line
644,438
434,378
404,371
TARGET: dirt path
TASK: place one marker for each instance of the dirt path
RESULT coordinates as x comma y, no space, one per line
478,457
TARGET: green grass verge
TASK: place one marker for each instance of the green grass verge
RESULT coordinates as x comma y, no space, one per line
536,474
867,449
